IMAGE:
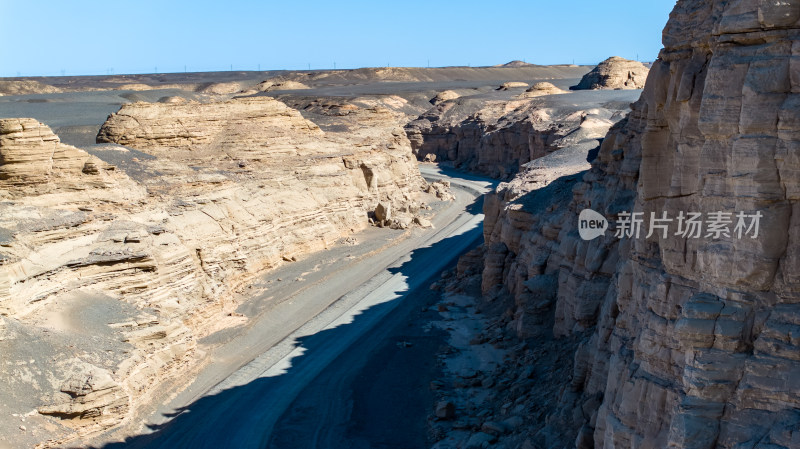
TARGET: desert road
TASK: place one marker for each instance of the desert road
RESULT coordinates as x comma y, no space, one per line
254,379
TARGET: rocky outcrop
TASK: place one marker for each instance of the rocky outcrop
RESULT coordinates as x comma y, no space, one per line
497,137
33,160
615,73
444,96
541,89
197,127
228,88
26,87
683,342
512,85
121,278
91,394
279,168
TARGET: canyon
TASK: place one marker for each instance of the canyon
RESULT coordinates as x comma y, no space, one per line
205,209
129,261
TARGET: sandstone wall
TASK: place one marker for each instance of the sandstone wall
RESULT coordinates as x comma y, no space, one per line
684,343
221,193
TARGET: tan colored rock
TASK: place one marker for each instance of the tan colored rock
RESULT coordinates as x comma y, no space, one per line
615,73
33,160
512,85
224,192
231,87
424,222
444,96
383,212
26,87
94,396
195,127
540,89
441,189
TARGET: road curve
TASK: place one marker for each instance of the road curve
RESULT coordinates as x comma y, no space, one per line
237,406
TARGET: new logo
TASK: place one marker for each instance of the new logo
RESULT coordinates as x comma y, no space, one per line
591,224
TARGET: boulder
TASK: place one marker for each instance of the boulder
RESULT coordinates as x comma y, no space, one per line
445,410
383,212
424,222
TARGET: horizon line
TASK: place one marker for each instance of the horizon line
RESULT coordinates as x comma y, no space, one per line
111,72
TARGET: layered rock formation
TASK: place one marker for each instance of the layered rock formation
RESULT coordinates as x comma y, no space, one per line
682,342
33,160
110,276
497,137
615,73
198,128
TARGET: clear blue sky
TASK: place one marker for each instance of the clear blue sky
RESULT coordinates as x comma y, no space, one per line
94,37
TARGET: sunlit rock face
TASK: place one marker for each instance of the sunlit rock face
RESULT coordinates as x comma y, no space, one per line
110,273
685,342
615,73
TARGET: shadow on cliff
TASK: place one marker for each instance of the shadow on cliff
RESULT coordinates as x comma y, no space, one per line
231,417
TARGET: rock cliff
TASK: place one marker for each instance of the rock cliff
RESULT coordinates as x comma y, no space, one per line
682,342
